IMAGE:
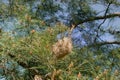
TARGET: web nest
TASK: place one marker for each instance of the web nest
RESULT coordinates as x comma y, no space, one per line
62,47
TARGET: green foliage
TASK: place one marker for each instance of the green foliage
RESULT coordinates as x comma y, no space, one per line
34,53
31,51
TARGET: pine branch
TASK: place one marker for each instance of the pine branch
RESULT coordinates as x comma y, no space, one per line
103,43
116,14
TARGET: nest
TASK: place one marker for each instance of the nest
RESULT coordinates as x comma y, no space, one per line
62,47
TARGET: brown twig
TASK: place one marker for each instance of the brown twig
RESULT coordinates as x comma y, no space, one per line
103,43
116,14
106,11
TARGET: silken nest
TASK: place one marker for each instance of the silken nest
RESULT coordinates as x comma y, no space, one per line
62,47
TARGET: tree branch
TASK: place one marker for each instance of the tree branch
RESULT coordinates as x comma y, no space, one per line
116,14
103,43
107,9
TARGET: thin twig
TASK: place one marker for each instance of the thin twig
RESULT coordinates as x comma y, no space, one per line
97,35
